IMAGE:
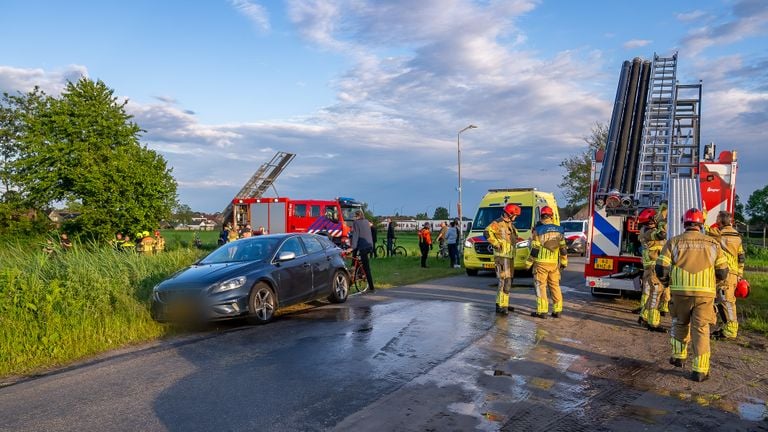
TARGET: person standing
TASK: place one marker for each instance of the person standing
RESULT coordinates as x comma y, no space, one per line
425,243
549,254
691,264
451,239
441,239
65,242
374,238
731,243
652,240
502,235
362,244
390,236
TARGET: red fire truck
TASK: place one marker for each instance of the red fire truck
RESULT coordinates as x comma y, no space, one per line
651,159
280,215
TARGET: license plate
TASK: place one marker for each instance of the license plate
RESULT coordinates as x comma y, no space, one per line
489,266
603,263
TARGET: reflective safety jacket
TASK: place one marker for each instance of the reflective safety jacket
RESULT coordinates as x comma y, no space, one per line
548,244
730,241
425,236
691,264
502,235
652,241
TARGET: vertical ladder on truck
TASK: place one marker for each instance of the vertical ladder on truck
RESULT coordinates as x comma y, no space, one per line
262,179
684,153
658,129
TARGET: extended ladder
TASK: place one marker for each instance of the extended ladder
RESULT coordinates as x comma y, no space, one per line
658,129
262,179
684,150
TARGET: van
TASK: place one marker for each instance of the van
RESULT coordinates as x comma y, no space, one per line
478,252
575,235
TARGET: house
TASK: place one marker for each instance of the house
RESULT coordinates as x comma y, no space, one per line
58,217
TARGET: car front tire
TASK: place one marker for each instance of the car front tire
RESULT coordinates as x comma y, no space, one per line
339,287
262,304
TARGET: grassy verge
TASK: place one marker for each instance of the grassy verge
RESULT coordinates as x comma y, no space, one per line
58,308
753,310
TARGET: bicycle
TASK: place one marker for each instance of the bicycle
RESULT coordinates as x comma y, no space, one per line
442,251
381,250
358,279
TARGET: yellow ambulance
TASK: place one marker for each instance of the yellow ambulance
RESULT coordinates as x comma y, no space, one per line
478,253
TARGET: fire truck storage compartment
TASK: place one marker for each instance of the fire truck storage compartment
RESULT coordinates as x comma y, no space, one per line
271,215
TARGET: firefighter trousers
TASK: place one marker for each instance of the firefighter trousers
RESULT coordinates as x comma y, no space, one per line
546,276
505,270
726,298
654,297
691,317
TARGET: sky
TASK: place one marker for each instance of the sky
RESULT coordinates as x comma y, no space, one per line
370,95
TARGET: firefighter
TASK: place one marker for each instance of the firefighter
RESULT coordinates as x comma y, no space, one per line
549,255
502,235
652,239
159,242
731,243
661,223
147,243
691,264
425,243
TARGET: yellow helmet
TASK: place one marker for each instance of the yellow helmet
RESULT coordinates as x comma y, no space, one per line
139,235
145,234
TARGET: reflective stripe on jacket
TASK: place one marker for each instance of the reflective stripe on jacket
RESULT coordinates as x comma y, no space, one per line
731,242
502,235
548,244
653,240
691,263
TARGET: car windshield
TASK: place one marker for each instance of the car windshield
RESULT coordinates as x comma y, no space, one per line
572,226
250,249
486,215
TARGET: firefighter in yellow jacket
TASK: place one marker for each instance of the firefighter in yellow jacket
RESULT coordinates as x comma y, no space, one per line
730,242
549,254
652,239
691,264
502,235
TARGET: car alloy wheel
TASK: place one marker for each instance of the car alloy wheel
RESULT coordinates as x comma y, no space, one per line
339,287
262,303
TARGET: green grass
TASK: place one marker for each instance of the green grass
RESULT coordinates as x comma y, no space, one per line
753,311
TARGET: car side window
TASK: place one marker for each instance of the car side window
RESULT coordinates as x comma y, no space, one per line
293,244
312,245
326,242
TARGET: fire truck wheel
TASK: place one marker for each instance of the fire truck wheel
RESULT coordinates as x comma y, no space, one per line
262,304
339,287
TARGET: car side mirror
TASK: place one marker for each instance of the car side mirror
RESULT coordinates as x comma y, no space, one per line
286,256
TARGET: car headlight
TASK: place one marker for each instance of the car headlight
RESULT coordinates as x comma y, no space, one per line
229,285
523,244
467,244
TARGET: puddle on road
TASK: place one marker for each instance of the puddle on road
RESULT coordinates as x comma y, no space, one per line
753,410
645,414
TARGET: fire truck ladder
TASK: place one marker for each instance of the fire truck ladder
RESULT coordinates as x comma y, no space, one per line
658,127
684,154
262,179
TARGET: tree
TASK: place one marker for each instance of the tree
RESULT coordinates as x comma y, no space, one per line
84,147
738,213
14,111
422,216
441,213
183,214
757,206
578,167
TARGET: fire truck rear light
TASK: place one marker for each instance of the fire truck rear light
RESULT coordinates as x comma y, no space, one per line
592,283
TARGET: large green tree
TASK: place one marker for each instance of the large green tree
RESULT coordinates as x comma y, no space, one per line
578,167
83,147
757,206
441,213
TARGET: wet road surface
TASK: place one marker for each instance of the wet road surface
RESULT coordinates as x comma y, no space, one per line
431,356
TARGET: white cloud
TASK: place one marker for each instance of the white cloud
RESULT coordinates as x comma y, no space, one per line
746,19
14,79
695,15
636,43
255,13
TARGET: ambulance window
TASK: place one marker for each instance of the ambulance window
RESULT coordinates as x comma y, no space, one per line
314,211
332,213
300,210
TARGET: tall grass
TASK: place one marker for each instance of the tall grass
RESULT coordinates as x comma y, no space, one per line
65,306
753,310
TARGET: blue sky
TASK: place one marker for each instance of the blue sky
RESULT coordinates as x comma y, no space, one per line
371,94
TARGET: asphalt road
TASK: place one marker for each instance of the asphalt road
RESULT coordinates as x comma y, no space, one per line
422,357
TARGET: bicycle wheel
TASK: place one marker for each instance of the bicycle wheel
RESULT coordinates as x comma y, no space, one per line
400,251
361,282
381,251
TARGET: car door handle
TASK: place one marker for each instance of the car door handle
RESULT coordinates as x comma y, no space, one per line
306,265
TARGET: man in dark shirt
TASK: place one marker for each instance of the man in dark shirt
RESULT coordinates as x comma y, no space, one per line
362,244
390,236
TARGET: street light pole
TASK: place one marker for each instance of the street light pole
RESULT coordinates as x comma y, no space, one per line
458,148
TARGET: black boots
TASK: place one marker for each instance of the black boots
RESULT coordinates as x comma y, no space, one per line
501,310
555,314
699,376
539,315
676,362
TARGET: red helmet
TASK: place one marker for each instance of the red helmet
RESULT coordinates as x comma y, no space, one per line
547,211
512,210
742,289
693,215
646,216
